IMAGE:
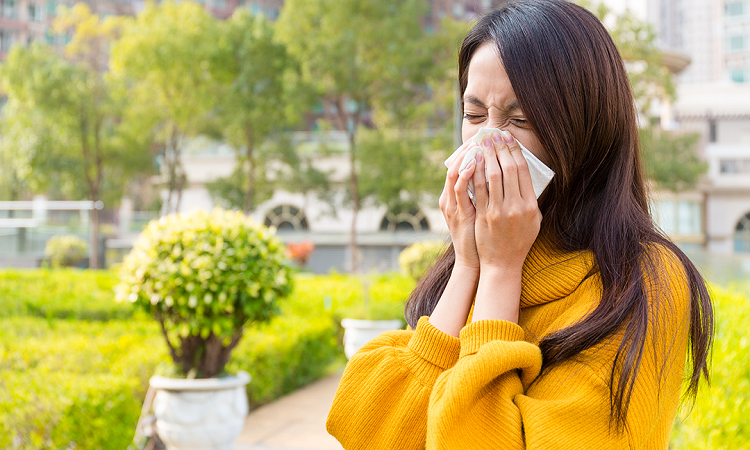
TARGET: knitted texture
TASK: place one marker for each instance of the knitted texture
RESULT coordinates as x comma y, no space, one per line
483,390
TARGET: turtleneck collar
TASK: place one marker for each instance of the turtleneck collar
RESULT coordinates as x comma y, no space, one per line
549,274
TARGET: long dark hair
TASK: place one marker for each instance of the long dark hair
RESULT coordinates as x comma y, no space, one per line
571,83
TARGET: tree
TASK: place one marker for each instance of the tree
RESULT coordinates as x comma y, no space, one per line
168,55
670,160
261,95
361,56
65,113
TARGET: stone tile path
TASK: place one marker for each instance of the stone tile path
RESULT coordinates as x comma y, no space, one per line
294,422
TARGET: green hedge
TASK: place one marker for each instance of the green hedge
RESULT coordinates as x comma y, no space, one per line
719,418
61,294
74,364
284,355
65,383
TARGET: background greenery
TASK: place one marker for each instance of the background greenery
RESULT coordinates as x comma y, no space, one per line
75,364
719,418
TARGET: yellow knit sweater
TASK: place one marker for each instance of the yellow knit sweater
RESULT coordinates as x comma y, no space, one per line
426,389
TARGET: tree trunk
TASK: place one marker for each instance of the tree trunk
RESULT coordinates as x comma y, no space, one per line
94,250
206,356
354,192
92,183
351,131
250,194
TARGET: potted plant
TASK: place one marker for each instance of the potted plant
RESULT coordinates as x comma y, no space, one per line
204,277
381,310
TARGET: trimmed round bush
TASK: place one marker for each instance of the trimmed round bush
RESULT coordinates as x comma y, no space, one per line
65,250
420,256
204,277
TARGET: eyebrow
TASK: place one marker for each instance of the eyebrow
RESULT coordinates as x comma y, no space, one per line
474,100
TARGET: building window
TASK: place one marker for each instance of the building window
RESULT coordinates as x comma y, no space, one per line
9,8
736,43
411,219
734,166
287,218
678,218
51,8
36,13
739,75
733,9
742,235
6,41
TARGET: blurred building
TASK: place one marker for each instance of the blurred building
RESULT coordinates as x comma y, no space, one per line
714,101
25,21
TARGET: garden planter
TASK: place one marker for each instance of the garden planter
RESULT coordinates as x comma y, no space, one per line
358,332
200,414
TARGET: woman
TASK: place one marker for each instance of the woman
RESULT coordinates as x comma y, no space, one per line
562,324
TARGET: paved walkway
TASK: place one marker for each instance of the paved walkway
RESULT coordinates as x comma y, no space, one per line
296,421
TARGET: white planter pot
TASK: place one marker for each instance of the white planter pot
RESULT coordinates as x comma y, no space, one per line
358,332
200,414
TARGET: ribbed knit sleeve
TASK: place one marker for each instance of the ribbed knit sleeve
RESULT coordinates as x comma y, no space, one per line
382,400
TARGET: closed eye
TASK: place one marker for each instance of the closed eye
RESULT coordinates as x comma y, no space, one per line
473,118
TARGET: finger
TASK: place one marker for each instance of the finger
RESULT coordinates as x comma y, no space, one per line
481,197
461,188
452,177
524,175
507,164
494,174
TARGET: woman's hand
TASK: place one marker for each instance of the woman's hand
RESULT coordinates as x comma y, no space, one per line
452,309
459,212
507,224
508,217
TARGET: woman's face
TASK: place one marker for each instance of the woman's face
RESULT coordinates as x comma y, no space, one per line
489,101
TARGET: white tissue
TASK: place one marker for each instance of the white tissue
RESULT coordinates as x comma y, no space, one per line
541,175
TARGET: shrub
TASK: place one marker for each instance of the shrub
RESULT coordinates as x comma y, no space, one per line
80,384
62,294
287,353
204,277
72,384
384,300
420,256
65,250
719,416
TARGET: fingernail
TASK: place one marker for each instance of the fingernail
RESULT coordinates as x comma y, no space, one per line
497,137
487,142
479,158
508,137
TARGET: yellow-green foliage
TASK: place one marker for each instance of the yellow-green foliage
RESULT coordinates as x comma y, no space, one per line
420,256
62,294
206,274
719,419
385,300
79,383
66,384
285,354
65,250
